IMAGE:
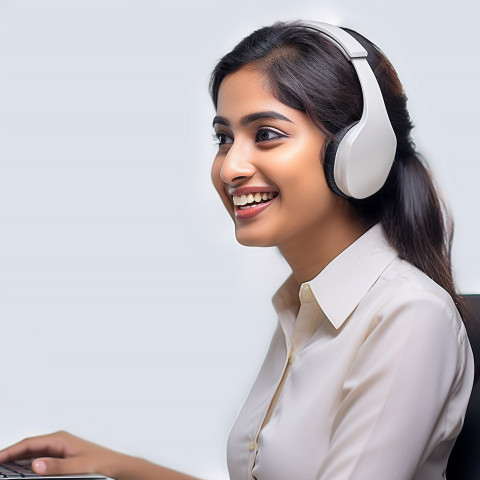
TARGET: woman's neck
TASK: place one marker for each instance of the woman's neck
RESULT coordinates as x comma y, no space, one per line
310,254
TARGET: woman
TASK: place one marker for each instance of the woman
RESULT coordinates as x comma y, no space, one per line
369,371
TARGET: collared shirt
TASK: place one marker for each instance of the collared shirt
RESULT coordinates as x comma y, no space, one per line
368,376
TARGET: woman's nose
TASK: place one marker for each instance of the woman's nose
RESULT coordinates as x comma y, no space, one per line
237,164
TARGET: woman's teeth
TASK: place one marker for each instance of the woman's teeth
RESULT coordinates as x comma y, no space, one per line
242,200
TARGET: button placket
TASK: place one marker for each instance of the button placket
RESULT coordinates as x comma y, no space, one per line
271,406
307,299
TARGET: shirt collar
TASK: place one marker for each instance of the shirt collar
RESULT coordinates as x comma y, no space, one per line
340,286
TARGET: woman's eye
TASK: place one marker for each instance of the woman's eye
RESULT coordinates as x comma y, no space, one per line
222,138
265,134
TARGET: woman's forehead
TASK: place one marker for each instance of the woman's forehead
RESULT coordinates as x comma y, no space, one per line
244,92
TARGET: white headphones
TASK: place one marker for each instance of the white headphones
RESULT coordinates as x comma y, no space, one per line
358,166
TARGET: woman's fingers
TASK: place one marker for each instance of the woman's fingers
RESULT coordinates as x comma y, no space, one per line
30,447
61,453
52,445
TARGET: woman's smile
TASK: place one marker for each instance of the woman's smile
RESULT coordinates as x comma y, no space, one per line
250,201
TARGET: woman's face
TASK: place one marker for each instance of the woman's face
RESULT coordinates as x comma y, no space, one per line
268,169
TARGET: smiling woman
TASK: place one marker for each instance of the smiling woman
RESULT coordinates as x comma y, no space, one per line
369,371
367,319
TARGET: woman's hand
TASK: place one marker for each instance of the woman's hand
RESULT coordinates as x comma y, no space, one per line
62,453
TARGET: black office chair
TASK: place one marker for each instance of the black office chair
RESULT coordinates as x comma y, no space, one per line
464,461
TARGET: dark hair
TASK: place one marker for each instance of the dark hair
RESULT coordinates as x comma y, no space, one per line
307,72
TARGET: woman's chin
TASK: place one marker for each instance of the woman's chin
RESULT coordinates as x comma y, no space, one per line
253,240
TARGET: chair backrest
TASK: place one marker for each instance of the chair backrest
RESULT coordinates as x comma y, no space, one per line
464,461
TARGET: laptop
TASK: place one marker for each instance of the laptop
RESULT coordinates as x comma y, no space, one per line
21,469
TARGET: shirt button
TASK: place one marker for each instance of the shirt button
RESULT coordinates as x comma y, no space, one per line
306,294
251,446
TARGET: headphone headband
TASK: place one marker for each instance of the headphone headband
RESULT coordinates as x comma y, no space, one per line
350,46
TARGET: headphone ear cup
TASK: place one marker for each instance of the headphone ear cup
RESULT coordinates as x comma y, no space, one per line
329,161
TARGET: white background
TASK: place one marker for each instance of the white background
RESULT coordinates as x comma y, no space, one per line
128,313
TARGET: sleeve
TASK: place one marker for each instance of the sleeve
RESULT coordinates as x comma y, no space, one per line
406,391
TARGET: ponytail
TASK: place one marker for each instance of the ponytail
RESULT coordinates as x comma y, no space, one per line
415,219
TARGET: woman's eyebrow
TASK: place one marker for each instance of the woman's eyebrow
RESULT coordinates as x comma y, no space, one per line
220,121
252,117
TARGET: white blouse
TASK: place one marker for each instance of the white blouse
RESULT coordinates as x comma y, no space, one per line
368,376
